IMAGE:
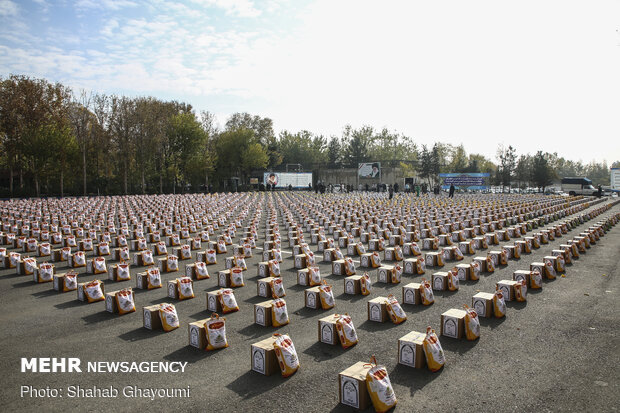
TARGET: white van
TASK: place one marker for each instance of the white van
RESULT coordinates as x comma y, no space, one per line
578,186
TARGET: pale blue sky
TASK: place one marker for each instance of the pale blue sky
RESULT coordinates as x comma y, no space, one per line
535,74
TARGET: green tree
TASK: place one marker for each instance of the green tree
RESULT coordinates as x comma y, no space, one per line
507,163
542,173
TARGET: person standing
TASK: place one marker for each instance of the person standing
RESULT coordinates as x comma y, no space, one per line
451,194
391,191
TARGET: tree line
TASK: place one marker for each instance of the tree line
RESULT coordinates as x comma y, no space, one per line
56,141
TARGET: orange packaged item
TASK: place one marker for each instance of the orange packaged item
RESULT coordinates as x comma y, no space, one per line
279,313
327,296
168,316
435,358
277,288
153,278
93,291
426,292
346,331
185,287
379,387
286,354
472,324
216,332
365,284
125,301
397,315
228,301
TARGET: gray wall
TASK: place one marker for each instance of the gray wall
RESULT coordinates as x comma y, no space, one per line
348,176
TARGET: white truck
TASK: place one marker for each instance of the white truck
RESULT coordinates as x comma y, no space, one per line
579,186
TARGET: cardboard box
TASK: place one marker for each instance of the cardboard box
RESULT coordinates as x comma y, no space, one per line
213,302
327,330
197,334
540,266
300,261
353,285
440,281
453,323
141,281
507,287
410,266
263,287
312,298
377,310
411,350
411,294
431,260
302,276
263,357
173,291
522,275
365,260
82,295
150,317
463,271
384,274
263,269
262,313
223,278
482,262
352,388
482,303
338,267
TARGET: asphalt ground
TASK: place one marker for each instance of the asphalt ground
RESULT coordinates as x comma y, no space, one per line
559,351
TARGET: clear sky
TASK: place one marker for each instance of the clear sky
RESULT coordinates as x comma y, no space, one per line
539,75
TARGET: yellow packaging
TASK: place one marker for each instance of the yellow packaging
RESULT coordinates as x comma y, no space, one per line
426,292
472,324
397,315
69,282
346,331
279,313
435,358
93,291
379,388
215,328
286,354
490,265
274,268
125,301
365,284
153,278
277,288
168,316
228,301
453,280
499,304
327,296
185,287
520,291
349,266
200,270
314,276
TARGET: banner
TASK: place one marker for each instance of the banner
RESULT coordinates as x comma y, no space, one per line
474,181
369,170
282,180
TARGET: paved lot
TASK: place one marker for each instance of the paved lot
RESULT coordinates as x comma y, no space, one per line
557,352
